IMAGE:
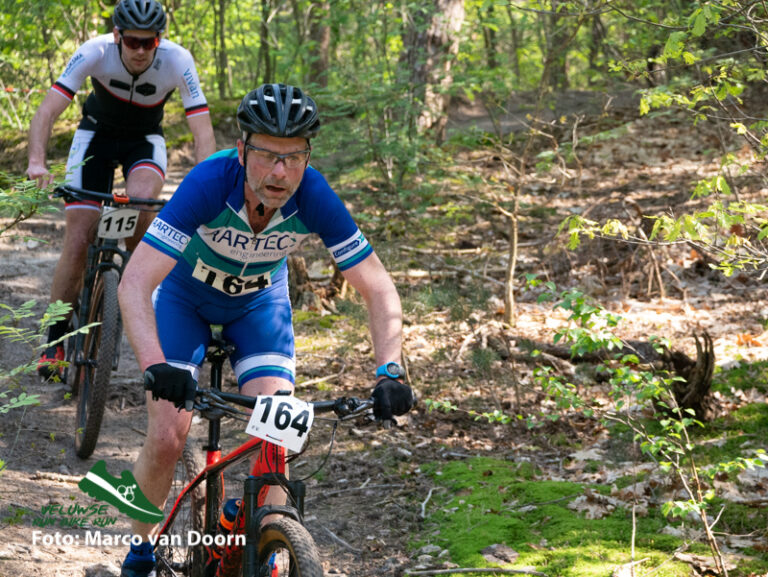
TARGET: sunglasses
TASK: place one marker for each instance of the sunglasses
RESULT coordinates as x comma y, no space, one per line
146,43
268,159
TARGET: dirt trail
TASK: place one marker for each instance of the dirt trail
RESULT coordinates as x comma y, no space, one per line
43,470
359,512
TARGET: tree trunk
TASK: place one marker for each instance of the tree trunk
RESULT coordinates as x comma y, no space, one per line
489,36
320,42
432,42
221,61
515,42
264,54
557,39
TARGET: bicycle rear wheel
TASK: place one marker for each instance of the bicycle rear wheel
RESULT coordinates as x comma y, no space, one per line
174,554
94,368
286,549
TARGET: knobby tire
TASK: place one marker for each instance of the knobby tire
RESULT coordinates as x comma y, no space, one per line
295,550
93,374
180,558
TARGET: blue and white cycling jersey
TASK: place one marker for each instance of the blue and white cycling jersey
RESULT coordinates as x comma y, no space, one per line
205,227
227,275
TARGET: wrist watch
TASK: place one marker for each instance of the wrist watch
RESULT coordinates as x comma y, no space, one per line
391,370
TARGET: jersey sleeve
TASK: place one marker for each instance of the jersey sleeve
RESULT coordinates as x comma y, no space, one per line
79,68
324,213
191,92
190,206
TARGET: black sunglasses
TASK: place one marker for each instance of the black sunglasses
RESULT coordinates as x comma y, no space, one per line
135,43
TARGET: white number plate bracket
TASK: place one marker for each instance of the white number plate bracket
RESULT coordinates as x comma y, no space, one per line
282,420
118,222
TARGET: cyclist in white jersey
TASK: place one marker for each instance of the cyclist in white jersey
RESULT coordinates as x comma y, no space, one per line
133,73
216,254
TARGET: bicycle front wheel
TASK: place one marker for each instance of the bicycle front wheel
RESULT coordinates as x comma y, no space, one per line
94,365
286,549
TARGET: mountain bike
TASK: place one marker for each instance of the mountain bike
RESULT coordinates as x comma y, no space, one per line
92,355
190,542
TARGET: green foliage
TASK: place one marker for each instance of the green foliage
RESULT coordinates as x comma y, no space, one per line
20,200
667,439
490,417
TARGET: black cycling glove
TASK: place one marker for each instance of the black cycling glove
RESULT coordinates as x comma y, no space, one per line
391,397
172,384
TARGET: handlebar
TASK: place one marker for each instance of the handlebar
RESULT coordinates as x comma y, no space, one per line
213,403
69,192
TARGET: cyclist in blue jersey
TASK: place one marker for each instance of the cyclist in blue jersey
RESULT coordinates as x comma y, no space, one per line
133,72
216,254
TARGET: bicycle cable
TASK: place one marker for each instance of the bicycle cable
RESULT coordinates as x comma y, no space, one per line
327,455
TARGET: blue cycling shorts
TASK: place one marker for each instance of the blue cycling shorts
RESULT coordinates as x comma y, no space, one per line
259,325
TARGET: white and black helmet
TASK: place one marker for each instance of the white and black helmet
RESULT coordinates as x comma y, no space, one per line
139,15
278,110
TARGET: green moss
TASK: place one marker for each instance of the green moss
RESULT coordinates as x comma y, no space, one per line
488,501
312,320
744,377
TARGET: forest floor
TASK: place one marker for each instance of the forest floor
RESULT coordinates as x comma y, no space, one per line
367,504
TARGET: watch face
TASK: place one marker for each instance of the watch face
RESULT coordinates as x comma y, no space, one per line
394,370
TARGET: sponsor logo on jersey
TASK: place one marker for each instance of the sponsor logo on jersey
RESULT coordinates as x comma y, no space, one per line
74,62
146,89
189,78
168,234
238,245
345,249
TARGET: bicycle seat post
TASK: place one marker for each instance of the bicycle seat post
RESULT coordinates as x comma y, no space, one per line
218,352
216,356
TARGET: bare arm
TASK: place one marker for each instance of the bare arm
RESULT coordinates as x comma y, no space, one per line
385,315
202,130
146,269
40,133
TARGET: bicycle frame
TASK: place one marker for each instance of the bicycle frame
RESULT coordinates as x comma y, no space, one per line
101,257
93,356
102,253
262,475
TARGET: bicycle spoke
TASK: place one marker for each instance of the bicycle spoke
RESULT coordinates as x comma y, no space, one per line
174,554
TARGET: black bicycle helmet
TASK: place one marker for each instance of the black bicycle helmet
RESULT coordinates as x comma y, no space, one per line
278,110
139,15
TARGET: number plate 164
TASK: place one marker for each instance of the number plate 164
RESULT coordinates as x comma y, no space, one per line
281,420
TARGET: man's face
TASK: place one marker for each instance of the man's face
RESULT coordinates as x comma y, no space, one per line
138,48
272,182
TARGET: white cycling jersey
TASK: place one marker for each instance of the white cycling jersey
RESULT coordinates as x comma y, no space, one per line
126,102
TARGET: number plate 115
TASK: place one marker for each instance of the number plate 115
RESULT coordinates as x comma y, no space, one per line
118,222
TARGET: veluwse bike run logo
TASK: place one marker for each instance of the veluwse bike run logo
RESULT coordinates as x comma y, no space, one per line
124,494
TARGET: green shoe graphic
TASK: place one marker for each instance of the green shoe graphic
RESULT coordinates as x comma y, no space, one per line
123,493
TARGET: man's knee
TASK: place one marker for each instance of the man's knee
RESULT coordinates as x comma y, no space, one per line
80,228
165,441
144,183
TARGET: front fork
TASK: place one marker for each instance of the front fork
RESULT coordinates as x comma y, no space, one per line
271,464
